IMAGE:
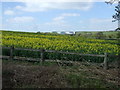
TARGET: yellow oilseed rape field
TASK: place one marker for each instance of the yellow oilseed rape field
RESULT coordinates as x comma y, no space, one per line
59,42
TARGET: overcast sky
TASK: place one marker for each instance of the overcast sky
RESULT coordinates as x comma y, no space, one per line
57,16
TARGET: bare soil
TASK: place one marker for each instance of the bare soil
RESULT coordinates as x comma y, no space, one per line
27,75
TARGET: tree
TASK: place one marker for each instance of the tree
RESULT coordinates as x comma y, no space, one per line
117,18
39,32
100,35
117,14
111,1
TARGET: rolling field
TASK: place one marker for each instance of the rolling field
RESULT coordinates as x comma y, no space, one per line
59,42
25,74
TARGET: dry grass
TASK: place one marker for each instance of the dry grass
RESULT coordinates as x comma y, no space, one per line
18,74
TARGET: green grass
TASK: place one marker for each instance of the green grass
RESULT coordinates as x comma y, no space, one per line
81,80
108,34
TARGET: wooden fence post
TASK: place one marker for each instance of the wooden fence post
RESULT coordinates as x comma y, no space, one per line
105,62
11,52
42,55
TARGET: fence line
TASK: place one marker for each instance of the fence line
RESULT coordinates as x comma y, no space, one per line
74,53
42,51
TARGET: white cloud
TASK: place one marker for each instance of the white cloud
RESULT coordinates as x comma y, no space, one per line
102,20
58,18
101,24
9,12
18,7
52,0
43,6
23,19
59,23
62,16
56,23
70,14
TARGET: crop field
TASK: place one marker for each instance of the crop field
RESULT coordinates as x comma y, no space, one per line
50,74
58,42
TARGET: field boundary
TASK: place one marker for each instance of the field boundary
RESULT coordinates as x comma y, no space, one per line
42,51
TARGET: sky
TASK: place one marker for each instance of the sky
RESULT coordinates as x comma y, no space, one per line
27,16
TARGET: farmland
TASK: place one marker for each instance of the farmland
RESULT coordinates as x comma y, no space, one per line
59,42
25,74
